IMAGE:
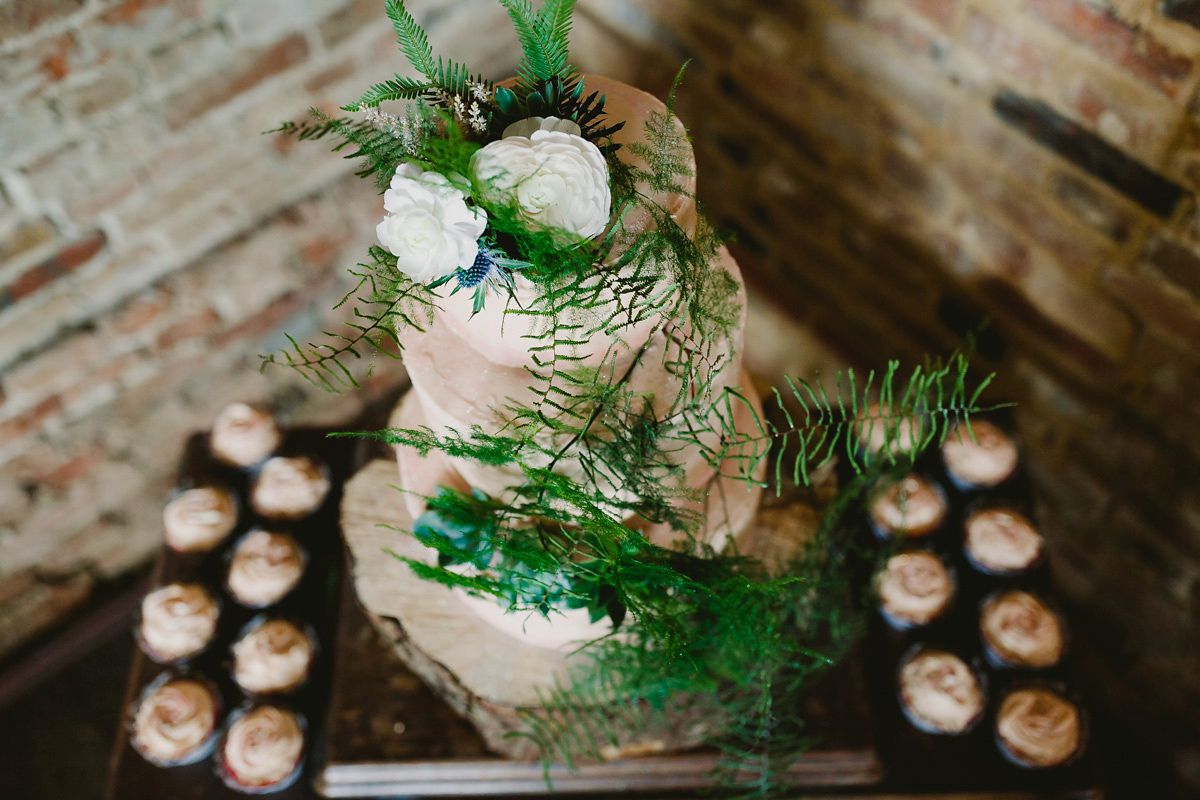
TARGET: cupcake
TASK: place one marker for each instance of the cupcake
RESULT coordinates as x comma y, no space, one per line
1001,541
880,429
939,692
273,656
265,566
262,750
912,506
175,721
243,435
979,457
914,589
198,519
178,621
289,488
1038,728
1019,630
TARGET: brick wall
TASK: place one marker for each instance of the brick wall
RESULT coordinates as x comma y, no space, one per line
153,243
897,171
900,170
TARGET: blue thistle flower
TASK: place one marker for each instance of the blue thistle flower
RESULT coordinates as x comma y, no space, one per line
479,271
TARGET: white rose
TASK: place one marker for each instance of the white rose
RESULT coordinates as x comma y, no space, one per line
527,126
429,227
555,179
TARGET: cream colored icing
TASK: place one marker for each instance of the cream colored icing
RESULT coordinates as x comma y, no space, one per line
939,689
263,746
878,429
243,435
986,460
289,488
265,566
1020,630
174,721
1038,727
1002,540
274,657
198,519
915,587
910,507
564,629
178,620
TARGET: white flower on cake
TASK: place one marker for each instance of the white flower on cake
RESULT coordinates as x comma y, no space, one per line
554,177
429,226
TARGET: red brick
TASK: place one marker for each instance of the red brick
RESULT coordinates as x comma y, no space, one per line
940,11
253,68
347,21
26,236
1155,299
73,469
1006,48
66,261
1129,46
23,16
194,326
57,65
912,37
1141,126
330,75
1177,262
1094,204
29,421
991,247
139,313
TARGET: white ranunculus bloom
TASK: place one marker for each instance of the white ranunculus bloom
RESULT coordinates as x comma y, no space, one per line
556,180
429,227
527,126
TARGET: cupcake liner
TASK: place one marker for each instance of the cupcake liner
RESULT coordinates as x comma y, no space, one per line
919,722
226,774
181,660
231,552
1059,689
197,753
253,625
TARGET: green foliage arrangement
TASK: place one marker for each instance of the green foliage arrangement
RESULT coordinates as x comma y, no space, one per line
737,641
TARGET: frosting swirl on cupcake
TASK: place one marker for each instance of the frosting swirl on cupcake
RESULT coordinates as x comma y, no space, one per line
914,587
1038,728
1002,540
178,620
174,721
910,507
273,657
198,519
1019,630
988,459
940,691
265,567
243,435
263,747
289,488
879,429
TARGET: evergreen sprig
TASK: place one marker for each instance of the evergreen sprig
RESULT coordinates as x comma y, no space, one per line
382,302
443,79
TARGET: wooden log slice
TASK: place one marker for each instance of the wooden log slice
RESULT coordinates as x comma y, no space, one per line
489,677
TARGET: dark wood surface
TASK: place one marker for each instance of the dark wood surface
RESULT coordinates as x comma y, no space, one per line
315,601
406,741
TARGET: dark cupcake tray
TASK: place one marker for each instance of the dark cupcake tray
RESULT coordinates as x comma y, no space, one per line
314,603
923,762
